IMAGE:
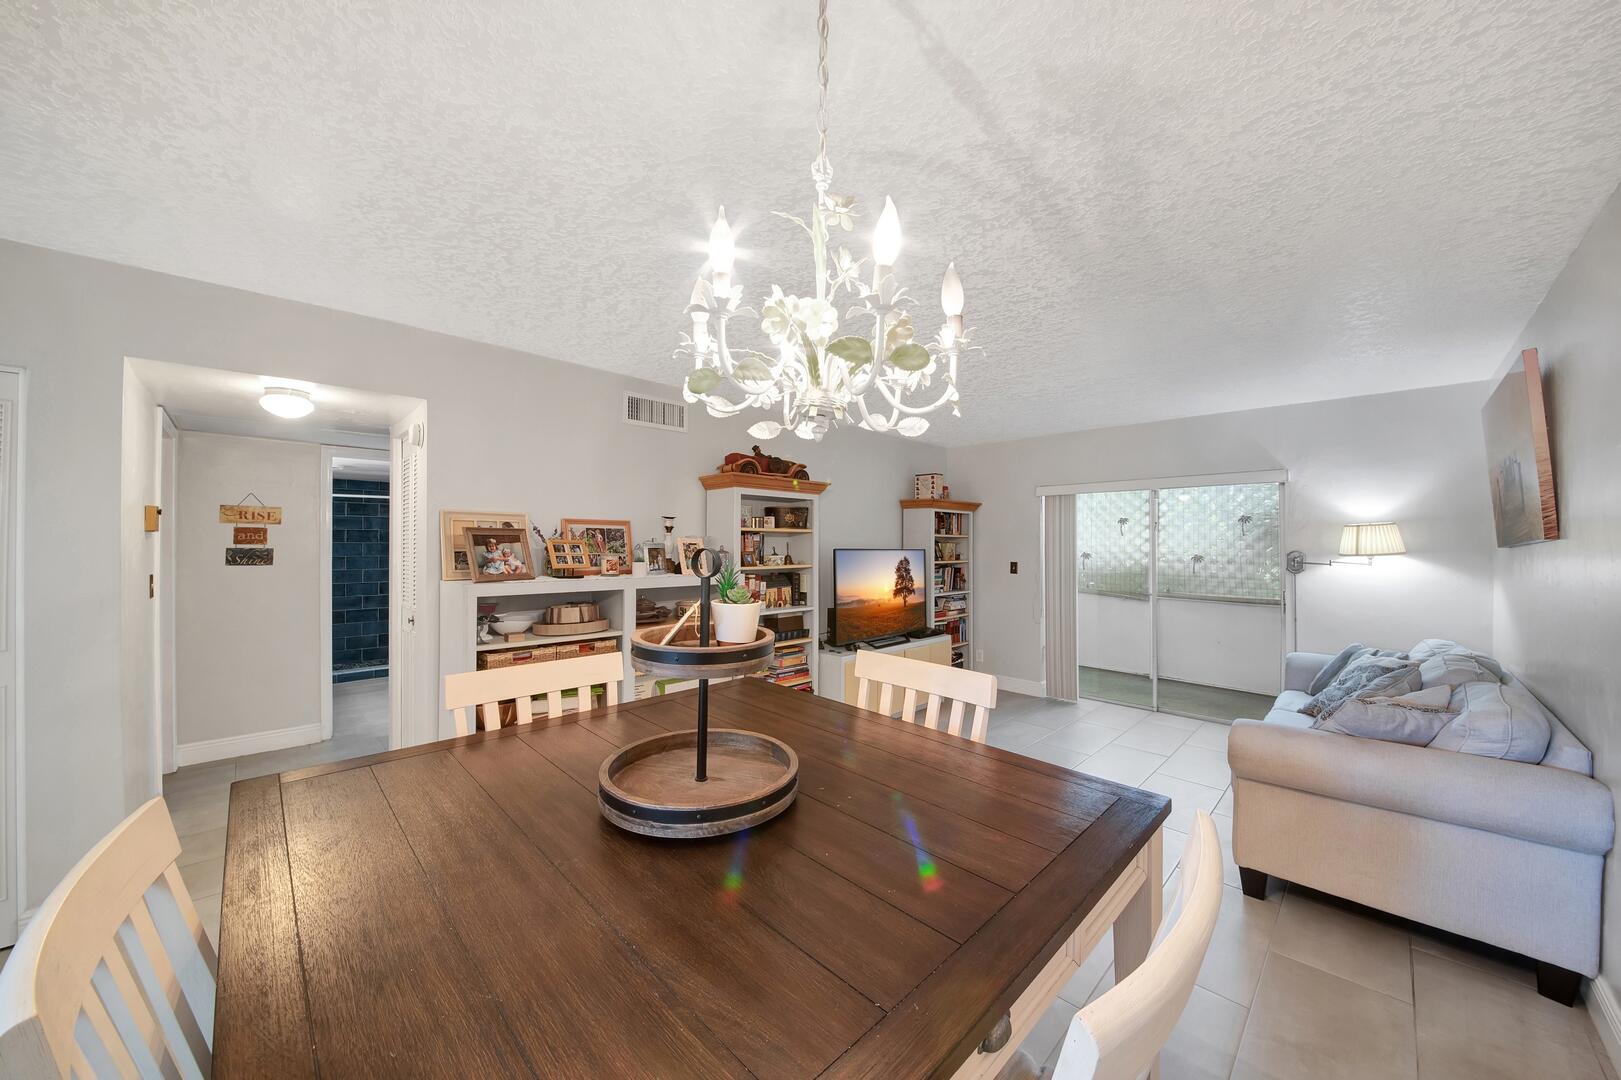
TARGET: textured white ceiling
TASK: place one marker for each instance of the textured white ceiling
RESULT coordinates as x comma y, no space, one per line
1159,207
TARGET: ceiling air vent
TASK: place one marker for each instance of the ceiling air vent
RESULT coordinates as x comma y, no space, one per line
650,412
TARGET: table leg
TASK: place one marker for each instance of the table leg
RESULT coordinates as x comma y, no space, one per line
1138,922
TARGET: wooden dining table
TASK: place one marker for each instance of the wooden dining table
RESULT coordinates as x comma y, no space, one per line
461,908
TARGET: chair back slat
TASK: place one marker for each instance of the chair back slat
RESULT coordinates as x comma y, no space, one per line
487,690
1119,1035
931,715
938,681
114,975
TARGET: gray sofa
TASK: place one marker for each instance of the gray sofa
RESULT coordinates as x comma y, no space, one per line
1502,852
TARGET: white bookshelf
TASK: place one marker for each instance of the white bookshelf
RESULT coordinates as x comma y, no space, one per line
732,498
459,601
944,529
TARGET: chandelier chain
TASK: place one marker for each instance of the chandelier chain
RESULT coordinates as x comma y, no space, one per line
822,168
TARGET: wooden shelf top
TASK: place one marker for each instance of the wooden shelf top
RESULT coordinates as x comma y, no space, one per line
741,529
937,504
763,482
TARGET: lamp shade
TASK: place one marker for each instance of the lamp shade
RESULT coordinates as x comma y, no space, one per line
1372,538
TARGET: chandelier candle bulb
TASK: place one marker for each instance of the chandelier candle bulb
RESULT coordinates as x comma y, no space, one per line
886,238
722,253
700,322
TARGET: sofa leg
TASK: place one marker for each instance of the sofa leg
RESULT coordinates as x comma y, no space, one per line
1558,984
1254,883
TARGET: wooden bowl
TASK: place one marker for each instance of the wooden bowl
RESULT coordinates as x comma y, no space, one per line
685,657
647,786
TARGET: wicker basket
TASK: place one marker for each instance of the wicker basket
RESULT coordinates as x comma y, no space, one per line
539,654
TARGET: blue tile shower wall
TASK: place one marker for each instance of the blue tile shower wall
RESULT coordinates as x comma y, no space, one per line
359,579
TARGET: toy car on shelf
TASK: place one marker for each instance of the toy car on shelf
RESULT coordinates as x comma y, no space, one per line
762,462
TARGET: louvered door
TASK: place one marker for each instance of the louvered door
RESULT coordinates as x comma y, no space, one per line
407,470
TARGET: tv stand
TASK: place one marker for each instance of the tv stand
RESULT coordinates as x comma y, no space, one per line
836,677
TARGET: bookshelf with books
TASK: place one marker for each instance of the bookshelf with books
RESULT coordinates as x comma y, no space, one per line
944,529
768,527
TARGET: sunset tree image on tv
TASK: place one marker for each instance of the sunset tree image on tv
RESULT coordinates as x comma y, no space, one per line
878,593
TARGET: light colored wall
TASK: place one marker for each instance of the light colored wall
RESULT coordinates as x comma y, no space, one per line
1414,457
1558,605
137,558
247,638
507,429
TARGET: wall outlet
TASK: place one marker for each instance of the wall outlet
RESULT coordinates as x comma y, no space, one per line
979,656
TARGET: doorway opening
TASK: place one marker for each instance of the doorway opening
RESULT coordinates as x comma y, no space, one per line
358,503
1178,595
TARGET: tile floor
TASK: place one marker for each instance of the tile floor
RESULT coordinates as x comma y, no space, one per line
199,795
1300,984
1296,985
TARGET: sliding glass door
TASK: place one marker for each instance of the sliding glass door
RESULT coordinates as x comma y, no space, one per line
1179,597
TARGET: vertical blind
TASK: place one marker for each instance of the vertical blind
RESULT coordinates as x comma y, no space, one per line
1058,584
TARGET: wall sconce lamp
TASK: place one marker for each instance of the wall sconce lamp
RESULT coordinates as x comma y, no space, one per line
1363,540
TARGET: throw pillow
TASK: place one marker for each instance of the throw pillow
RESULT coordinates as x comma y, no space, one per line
1496,721
1431,647
1367,676
1455,669
1413,719
1335,666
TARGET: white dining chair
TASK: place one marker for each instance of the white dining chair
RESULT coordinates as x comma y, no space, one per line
1119,1035
484,691
114,975
937,682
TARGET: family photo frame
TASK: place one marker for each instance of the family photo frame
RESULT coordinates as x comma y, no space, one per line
602,538
499,554
454,562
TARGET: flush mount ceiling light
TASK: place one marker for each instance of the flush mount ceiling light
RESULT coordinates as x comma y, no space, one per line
286,402
817,377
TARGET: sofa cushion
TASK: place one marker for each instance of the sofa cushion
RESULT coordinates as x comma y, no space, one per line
1565,751
1334,667
1366,676
1289,718
1454,669
1291,700
1413,718
1496,721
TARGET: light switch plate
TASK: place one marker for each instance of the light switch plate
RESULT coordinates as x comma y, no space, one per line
1013,568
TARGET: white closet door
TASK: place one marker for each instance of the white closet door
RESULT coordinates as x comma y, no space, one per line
10,449
407,512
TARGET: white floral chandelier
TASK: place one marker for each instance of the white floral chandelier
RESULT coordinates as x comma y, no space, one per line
817,377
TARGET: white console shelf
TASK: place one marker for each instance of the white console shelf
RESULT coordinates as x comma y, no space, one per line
458,616
837,666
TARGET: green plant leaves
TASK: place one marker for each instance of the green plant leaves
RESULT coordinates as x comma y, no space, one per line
855,351
910,357
703,380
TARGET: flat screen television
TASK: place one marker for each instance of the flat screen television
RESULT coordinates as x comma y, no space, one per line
877,593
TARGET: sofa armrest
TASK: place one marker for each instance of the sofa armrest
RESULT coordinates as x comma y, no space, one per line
1300,668
1532,802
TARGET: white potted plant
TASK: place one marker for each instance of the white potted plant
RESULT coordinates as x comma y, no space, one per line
737,612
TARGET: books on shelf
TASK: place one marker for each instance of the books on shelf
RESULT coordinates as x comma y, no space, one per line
790,667
950,524
950,579
950,551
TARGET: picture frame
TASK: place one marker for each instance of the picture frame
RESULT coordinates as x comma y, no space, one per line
612,566
454,564
688,546
602,536
568,558
499,554
1525,506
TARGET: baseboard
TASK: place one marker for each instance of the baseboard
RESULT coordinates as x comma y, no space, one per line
1605,1010
196,753
1021,686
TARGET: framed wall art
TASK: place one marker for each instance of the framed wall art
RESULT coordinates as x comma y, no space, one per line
1519,460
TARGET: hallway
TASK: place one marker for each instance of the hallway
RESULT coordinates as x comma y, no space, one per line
199,796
